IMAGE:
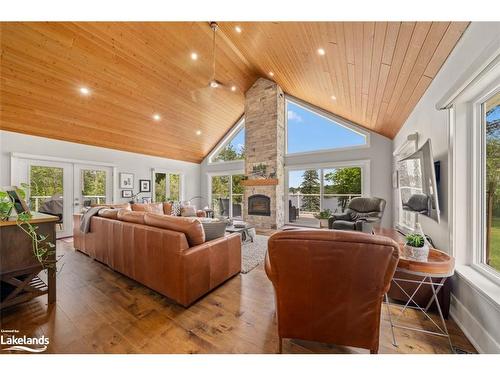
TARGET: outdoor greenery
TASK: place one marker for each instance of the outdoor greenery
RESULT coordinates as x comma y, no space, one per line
161,187
229,153
325,214
493,186
343,181
310,185
94,182
45,182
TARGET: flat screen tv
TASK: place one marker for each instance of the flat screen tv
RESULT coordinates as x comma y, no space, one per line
417,183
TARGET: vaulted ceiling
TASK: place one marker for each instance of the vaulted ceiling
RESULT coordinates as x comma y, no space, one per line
372,73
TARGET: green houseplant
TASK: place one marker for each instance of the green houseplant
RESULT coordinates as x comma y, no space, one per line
323,217
416,246
42,247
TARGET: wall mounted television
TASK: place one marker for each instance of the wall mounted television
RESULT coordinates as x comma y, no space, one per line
417,183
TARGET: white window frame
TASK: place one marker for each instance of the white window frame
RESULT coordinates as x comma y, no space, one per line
223,173
479,183
240,124
168,172
329,116
365,166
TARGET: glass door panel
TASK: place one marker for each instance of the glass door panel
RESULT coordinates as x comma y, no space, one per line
304,197
220,195
50,192
160,187
92,185
174,187
237,196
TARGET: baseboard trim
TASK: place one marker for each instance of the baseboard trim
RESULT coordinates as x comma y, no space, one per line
482,341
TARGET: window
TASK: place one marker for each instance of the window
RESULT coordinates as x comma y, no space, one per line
310,131
491,184
324,189
94,186
167,186
234,147
227,189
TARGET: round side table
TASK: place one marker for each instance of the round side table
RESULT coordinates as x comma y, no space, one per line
440,266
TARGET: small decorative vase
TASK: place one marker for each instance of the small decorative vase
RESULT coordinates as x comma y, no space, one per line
417,253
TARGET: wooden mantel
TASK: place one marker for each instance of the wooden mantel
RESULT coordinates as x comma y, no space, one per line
260,182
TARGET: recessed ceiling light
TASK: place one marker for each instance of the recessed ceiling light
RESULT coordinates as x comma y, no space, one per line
214,84
156,117
334,97
321,51
238,29
198,132
271,74
84,90
194,56
233,88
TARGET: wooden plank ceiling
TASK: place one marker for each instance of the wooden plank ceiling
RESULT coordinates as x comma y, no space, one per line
376,71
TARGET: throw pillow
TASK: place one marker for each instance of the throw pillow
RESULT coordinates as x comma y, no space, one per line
214,230
188,211
176,209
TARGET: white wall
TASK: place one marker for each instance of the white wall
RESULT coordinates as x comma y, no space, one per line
379,153
138,164
472,310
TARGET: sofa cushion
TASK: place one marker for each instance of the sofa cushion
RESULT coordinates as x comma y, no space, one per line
188,211
191,227
156,208
214,229
110,213
131,216
167,208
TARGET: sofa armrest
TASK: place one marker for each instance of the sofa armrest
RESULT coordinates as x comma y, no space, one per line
208,265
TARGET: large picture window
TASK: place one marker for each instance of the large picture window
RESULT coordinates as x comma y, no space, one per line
312,131
227,195
490,110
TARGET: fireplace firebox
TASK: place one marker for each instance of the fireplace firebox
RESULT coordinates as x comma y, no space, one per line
259,204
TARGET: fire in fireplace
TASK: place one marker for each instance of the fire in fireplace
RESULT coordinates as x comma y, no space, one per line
259,204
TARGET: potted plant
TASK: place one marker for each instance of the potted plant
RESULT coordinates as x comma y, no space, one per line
323,217
416,247
6,205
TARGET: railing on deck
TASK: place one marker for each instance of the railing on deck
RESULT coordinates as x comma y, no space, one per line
37,200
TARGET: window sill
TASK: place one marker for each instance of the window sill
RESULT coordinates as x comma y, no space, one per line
481,283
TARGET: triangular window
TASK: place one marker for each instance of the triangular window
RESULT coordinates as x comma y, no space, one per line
233,148
310,131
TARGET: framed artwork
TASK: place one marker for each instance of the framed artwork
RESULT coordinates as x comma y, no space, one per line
126,180
126,193
146,200
144,186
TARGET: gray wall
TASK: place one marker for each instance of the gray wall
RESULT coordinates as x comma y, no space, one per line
472,310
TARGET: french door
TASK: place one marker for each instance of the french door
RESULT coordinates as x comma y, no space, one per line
63,188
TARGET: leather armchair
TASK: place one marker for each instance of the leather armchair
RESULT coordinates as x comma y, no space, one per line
329,285
360,210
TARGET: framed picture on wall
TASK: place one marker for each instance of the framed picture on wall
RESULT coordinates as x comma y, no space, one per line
126,180
144,186
146,200
127,194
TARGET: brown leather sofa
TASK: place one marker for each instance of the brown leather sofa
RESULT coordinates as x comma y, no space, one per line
165,253
329,285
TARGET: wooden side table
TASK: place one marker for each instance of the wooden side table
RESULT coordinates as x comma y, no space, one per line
19,268
432,273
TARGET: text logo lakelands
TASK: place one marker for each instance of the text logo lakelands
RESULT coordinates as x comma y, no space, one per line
23,343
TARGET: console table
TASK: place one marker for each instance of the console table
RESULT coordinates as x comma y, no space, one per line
19,269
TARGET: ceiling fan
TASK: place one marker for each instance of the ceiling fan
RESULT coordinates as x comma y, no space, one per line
213,82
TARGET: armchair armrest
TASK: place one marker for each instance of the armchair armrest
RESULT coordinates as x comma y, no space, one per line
335,217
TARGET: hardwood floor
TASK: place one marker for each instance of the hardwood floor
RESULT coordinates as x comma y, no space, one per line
100,311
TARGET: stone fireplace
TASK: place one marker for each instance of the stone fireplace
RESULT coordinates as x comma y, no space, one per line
264,146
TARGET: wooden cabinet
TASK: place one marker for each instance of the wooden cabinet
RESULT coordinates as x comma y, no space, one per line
19,268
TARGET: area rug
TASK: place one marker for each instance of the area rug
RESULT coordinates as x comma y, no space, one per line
253,253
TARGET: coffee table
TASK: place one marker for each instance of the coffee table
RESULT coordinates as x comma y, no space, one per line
246,236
